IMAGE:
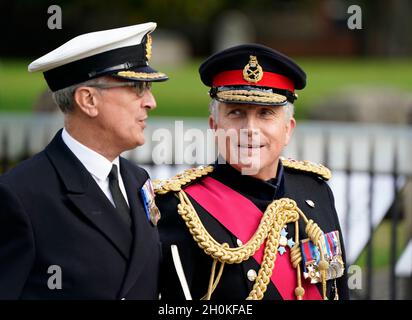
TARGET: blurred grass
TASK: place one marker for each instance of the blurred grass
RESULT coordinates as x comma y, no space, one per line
18,87
185,95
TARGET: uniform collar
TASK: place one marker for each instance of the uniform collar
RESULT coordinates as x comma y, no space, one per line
260,189
94,162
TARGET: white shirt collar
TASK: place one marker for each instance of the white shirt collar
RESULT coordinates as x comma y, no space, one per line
94,162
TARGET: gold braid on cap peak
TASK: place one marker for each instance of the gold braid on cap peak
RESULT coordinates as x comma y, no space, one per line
141,75
251,96
307,166
178,181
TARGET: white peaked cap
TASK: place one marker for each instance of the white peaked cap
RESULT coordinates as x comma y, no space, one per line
108,52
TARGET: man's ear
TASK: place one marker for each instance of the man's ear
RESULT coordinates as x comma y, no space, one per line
87,99
290,126
212,123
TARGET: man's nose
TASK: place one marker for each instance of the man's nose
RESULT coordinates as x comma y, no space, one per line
149,100
250,125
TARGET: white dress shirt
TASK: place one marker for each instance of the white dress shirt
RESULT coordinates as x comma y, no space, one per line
98,166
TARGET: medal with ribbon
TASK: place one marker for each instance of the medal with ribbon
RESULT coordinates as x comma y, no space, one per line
148,197
333,254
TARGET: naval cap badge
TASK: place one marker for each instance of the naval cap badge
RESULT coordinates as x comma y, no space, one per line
149,47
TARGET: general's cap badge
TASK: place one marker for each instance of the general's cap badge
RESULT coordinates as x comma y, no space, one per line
253,72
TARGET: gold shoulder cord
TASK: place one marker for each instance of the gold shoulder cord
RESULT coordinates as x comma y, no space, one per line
276,216
178,181
307,166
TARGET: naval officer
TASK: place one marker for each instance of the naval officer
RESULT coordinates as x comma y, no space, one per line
77,220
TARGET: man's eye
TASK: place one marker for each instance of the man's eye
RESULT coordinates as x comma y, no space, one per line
234,112
267,112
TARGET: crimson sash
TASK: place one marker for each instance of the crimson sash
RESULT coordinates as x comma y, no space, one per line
241,217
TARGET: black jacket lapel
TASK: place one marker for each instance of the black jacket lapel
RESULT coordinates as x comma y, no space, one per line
142,245
86,195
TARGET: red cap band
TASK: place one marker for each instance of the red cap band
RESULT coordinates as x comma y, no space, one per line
269,79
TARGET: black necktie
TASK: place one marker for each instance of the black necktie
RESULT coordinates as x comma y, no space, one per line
118,199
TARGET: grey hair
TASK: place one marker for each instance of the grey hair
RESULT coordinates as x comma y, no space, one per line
289,110
288,107
64,98
213,108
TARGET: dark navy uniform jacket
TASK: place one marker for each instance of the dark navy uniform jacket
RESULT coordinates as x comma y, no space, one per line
52,212
234,284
